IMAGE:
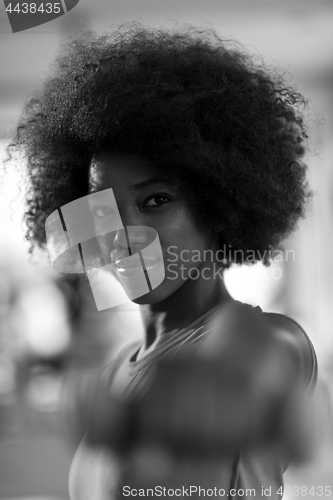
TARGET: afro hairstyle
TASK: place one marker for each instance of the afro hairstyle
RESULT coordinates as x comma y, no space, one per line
199,107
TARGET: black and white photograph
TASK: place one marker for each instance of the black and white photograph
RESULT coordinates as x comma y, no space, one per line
166,249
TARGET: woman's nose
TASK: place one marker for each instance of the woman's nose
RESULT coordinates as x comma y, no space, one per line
120,239
130,236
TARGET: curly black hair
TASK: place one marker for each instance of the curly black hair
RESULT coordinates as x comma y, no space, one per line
195,105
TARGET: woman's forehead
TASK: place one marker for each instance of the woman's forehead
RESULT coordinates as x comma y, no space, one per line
109,170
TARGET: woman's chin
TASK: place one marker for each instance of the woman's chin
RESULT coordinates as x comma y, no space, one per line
165,290
152,297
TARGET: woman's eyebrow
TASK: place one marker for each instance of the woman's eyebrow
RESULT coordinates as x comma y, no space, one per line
149,182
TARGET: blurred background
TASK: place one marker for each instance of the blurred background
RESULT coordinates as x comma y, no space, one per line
50,328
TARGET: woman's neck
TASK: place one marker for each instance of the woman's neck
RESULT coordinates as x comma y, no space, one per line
189,302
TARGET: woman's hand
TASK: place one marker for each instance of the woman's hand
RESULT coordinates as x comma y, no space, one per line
237,389
231,392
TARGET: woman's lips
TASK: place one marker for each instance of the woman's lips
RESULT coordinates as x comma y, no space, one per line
125,264
131,267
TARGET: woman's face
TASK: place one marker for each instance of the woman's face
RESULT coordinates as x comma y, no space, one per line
147,198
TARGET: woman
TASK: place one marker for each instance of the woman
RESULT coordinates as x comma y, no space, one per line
205,147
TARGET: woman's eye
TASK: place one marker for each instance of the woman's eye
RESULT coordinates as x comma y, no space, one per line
156,201
102,212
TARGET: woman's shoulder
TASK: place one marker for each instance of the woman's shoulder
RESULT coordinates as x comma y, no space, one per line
291,333
293,337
